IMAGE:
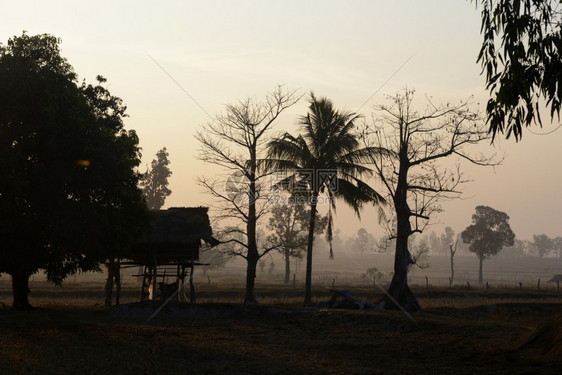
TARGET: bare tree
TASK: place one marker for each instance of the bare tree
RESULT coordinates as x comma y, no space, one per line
452,252
235,142
410,171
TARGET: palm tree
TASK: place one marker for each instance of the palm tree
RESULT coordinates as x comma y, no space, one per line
325,158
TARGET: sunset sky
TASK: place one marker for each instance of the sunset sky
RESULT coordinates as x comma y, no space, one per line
222,51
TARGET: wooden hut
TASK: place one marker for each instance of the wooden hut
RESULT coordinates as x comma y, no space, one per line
172,244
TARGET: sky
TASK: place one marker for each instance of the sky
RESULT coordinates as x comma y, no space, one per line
353,52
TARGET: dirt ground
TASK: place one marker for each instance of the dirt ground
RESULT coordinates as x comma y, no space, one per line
283,338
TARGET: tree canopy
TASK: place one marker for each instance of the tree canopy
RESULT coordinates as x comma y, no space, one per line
68,188
488,234
154,182
520,56
326,157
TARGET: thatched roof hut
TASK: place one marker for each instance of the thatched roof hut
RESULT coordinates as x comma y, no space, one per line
174,237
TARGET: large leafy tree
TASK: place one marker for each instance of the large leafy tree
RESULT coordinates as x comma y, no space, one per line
154,183
68,187
488,234
521,57
325,158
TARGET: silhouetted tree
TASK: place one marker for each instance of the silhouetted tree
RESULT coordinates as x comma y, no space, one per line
542,245
364,241
522,60
289,224
69,196
557,246
413,143
489,233
154,183
325,157
235,142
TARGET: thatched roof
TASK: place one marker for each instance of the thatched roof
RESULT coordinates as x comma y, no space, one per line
174,235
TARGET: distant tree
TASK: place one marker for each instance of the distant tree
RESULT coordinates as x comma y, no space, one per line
325,158
557,246
452,252
521,56
542,244
410,163
154,183
489,233
289,226
364,241
372,274
235,142
435,243
447,238
69,196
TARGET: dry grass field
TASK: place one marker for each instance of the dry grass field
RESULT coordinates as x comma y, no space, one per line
460,331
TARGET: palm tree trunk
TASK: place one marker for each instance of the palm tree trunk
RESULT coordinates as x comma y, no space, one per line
312,223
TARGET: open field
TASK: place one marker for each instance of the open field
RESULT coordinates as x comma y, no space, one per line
459,331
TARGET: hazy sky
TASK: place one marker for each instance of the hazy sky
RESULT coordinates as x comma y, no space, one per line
222,51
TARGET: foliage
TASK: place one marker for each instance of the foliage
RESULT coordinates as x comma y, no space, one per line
542,244
68,188
154,183
289,226
521,57
364,241
324,158
489,232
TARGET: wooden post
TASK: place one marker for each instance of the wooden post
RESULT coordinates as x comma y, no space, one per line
294,280
426,283
468,284
191,286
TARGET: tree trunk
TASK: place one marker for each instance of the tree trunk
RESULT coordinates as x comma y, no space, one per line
399,289
252,260
452,269
287,265
480,278
311,224
118,282
20,290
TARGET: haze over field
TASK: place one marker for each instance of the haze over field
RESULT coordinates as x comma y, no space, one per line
353,52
